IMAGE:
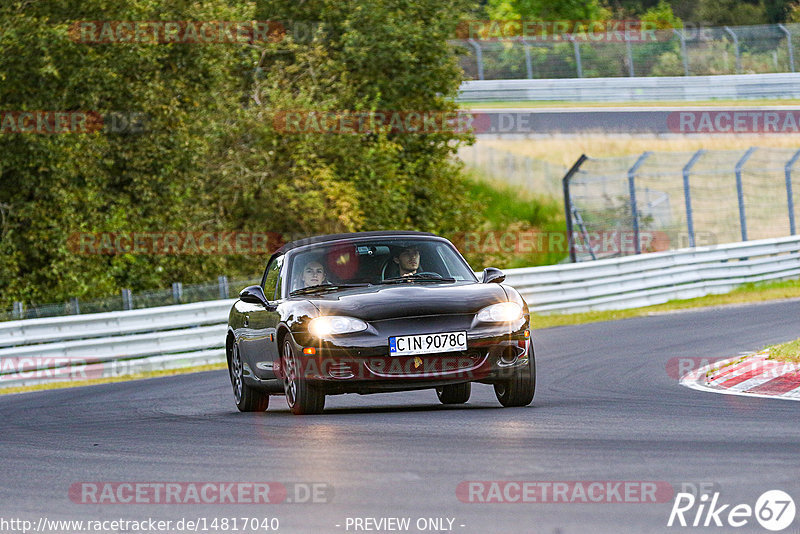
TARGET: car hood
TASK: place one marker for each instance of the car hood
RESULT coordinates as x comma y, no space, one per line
379,302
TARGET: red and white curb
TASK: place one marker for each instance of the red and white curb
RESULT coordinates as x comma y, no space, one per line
753,375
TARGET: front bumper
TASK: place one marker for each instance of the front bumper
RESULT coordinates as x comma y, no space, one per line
361,362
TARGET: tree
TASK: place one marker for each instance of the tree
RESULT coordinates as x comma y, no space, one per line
548,10
210,157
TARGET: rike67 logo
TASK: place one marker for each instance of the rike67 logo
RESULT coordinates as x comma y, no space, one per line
774,510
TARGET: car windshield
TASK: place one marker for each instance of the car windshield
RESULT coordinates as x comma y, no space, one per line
378,261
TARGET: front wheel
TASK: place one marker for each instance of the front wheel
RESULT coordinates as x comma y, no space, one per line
454,393
247,399
518,390
302,398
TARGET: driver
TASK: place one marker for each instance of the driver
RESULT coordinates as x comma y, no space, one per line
407,260
313,274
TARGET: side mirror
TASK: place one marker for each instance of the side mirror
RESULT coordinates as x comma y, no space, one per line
493,276
254,295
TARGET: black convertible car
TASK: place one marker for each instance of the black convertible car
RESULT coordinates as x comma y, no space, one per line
374,312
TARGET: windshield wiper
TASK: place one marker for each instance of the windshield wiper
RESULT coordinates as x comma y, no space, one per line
324,287
422,277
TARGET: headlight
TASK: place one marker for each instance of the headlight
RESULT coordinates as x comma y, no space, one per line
504,312
332,325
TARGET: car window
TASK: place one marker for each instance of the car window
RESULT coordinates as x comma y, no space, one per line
453,265
271,277
372,262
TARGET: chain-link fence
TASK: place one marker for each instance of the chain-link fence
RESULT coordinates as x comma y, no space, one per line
223,288
668,200
678,52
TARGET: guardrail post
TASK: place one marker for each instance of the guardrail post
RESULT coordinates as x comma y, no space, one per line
788,45
684,53
223,286
478,56
528,61
177,292
528,173
687,195
577,49
76,307
17,311
740,190
568,204
789,194
735,49
632,191
127,299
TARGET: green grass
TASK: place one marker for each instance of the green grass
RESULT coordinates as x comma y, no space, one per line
508,212
504,205
747,293
786,352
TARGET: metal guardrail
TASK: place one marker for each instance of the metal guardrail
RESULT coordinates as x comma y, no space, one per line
661,88
117,323
112,344
647,279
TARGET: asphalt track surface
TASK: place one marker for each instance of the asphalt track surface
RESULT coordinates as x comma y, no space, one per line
605,409
656,120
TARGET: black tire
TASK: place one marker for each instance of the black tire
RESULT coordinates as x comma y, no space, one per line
454,393
302,398
519,390
247,399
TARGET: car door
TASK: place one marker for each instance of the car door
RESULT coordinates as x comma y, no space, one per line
260,346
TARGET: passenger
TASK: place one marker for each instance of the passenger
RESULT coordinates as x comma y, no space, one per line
407,260
313,274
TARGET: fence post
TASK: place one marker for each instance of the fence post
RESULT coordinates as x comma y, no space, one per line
629,50
568,204
736,50
740,190
76,307
684,54
127,299
528,61
17,311
632,191
577,49
223,286
478,56
789,194
788,45
688,196
177,292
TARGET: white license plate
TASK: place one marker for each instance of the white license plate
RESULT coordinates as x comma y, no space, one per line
427,343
